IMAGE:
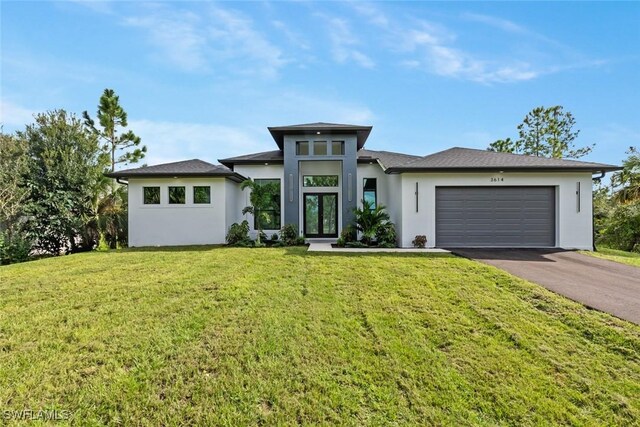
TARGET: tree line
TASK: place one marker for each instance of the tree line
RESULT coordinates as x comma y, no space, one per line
54,196
550,132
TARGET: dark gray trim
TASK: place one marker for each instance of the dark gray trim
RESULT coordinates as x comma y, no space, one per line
233,176
603,168
279,132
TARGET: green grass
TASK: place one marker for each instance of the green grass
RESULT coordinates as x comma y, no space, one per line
213,336
631,258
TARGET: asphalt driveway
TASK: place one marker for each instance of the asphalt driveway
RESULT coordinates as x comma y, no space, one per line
604,285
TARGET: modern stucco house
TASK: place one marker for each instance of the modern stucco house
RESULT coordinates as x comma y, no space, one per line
457,197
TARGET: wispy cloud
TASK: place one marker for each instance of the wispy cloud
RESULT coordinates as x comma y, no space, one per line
344,44
436,48
14,116
216,37
169,141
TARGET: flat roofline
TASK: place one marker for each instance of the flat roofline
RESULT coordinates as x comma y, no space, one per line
362,132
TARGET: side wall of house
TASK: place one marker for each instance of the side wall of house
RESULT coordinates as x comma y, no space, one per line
388,191
573,227
171,224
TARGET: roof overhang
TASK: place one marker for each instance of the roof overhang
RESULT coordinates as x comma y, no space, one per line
233,176
362,132
496,169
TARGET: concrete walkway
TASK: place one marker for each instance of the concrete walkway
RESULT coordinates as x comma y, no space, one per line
326,247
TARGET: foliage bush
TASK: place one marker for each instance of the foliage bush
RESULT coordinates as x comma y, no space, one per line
356,244
420,241
369,219
622,229
289,235
238,234
386,235
14,247
347,235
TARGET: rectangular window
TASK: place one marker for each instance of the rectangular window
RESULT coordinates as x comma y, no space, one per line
151,195
337,148
320,180
319,148
177,195
370,192
302,148
201,195
269,217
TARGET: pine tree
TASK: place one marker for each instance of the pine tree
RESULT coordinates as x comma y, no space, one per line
122,147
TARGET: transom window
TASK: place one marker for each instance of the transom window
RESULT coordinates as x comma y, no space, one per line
320,180
177,195
370,192
319,148
337,148
269,218
201,194
302,148
151,195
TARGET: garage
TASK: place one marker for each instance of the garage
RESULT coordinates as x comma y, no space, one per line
496,216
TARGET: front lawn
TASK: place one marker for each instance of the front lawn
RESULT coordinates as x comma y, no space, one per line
631,258
281,336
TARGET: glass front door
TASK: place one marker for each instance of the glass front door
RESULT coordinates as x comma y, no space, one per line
321,215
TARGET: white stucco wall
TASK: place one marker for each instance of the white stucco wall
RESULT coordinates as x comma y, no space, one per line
388,191
174,225
573,228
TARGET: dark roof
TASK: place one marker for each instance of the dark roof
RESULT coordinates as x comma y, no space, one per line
387,159
195,167
278,132
274,156
471,159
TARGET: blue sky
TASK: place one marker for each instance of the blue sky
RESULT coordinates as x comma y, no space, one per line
204,80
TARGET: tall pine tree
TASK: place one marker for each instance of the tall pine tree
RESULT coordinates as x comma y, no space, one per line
123,147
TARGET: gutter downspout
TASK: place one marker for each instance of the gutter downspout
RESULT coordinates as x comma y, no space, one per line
593,218
122,182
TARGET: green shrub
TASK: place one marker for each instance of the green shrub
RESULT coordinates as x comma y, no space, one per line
14,247
420,241
622,230
386,235
299,241
348,234
238,234
289,234
369,219
274,237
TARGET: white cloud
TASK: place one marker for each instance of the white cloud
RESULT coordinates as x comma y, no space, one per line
205,41
14,116
173,141
344,44
177,34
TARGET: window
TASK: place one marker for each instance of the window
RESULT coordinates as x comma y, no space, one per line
319,148
337,148
302,148
370,193
269,218
151,195
201,195
176,195
320,180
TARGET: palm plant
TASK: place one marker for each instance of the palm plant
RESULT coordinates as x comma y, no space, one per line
370,219
260,199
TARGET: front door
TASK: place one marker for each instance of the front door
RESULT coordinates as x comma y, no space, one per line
321,215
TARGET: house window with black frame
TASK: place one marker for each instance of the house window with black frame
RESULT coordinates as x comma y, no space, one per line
370,192
270,217
337,148
302,148
151,195
201,195
319,148
177,195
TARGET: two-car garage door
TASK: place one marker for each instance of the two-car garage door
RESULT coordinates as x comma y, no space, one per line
495,216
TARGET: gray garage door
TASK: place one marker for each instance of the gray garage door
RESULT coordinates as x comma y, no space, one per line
495,216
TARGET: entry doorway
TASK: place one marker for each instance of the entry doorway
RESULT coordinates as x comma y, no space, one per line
321,214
